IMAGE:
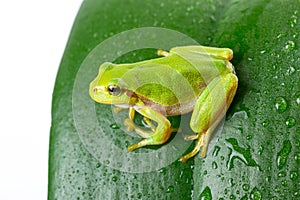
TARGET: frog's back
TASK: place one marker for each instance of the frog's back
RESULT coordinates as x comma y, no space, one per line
177,78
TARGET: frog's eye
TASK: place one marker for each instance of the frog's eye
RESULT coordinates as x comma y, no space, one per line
114,90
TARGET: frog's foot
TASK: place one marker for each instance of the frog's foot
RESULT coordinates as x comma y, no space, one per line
130,126
162,53
149,123
175,130
202,144
192,137
118,109
159,136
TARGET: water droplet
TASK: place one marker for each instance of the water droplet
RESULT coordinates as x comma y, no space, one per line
216,151
114,126
139,195
281,174
284,183
114,178
249,137
231,182
293,20
190,8
95,35
246,187
163,171
265,123
255,194
290,45
283,154
261,150
214,165
237,152
280,104
232,197
297,157
291,70
98,165
170,189
206,194
294,175
290,122
297,96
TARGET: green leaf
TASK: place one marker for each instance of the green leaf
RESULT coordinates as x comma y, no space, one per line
257,151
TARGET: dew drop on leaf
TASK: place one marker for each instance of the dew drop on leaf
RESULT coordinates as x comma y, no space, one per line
246,187
170,189
297,96
281,174
255,194
291,70
283,154
214,165
240,153
114,178
114,126
265,123
280,104
290,122
293,20
216,151
206,194
290,45
294,175
98,165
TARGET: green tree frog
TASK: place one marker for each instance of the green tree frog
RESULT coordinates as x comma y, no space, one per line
195,79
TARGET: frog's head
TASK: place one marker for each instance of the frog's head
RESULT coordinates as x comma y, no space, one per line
108,87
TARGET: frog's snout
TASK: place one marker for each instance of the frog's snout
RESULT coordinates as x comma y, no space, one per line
96,90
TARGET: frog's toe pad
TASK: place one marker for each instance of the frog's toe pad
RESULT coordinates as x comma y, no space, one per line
129,124
191,137
201,146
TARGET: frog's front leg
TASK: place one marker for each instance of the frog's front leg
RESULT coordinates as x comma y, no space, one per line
162,53
129,121
161,133
209,110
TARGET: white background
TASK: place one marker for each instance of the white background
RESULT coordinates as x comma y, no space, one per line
33,35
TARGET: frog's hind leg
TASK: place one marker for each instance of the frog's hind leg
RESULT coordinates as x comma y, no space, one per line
159,136
209,110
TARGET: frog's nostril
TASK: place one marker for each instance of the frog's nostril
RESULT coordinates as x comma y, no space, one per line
95,89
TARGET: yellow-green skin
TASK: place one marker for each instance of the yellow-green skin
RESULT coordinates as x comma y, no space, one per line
194,79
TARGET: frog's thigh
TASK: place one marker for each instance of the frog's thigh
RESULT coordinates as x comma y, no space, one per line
211,107
162,131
